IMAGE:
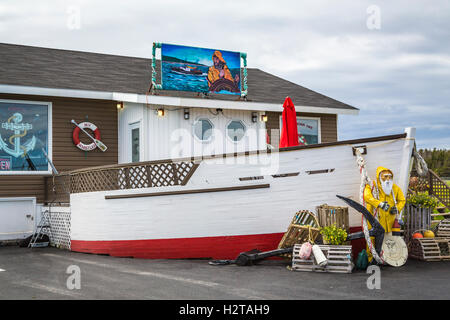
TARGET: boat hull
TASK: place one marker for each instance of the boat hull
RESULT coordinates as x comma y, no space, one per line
229,205
225,247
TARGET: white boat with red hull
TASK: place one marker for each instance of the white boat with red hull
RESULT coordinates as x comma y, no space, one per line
219,206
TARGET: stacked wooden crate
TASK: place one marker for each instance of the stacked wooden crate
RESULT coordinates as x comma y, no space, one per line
339,260
329,215
416,218
303,227
443,228
430,249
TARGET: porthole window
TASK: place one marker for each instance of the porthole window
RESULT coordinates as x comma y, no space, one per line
203,129
236,130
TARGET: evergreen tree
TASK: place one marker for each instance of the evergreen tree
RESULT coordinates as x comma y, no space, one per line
437,160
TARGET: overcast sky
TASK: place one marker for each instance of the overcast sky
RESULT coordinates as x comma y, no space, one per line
391,59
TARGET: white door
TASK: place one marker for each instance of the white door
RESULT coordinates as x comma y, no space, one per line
134,142
17,217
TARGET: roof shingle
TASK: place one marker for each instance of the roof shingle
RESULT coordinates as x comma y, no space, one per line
66,69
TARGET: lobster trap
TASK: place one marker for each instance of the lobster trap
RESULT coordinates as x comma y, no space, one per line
429,249
443,228
416,218
339,260
303,227
329,215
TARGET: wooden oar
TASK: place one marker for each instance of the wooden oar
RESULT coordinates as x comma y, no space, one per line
97,142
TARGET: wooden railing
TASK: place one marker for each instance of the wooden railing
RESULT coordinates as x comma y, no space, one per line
433,184
439,188
57,188
117,177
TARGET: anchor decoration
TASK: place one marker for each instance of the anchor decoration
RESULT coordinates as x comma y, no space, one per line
15,124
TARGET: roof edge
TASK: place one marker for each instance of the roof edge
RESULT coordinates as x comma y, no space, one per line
167,101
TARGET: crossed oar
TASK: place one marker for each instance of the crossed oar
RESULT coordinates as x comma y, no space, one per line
97,142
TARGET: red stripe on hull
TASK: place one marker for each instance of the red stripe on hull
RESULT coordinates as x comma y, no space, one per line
226,247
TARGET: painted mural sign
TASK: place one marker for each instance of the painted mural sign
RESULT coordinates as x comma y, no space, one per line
200,70
23,135
5,163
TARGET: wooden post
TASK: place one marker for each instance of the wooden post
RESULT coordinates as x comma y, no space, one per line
127,177
430,180
175,174
149,175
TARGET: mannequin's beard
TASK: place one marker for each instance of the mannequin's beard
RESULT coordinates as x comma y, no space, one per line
387,186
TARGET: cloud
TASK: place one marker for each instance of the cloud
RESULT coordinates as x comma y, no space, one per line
398,75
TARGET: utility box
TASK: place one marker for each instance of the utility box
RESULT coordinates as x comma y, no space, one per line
17,218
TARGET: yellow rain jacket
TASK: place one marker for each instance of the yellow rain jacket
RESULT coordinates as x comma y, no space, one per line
214,74
384,217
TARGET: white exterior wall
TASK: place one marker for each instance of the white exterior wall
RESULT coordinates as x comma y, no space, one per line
172,136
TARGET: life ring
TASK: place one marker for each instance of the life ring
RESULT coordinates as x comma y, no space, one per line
76,136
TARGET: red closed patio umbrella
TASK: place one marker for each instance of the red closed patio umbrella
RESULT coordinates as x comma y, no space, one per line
289,133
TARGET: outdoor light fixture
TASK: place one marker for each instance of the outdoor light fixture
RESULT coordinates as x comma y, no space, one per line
160,112
119,105
186,114
264,117
254,117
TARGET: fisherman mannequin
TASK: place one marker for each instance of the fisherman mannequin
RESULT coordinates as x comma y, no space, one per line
389,202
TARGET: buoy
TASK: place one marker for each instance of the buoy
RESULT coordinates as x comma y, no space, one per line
396,228
417,235
319,256
428,234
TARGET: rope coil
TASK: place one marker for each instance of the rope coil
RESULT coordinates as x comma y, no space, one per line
365,180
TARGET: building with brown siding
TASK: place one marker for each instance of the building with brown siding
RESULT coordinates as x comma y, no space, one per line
88,87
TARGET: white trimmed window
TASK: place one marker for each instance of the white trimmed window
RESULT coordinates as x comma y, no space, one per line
308,130
203,129
236,130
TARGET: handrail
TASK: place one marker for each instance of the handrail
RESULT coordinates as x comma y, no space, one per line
243,153
434,185
438,178
439,188
156,173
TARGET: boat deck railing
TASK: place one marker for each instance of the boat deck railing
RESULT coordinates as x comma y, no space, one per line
117,177
156,173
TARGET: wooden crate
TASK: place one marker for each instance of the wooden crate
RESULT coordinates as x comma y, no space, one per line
443,228
339,260
415,218
329,215
429,249
299,230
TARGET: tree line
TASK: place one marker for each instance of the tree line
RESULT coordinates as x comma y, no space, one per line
437,160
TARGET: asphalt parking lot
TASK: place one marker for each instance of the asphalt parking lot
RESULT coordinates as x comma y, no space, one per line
41,273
